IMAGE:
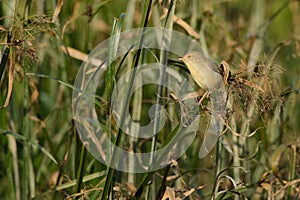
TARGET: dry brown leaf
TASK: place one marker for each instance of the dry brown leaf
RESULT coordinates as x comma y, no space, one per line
36,119
187,27
52,180
59,5
74,53
267,187
35,93
73,17
288,184
10,79
242,135
169,194
187,193
225,71
183,24
131,189
250,84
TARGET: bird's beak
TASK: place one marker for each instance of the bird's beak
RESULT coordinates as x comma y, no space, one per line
181,59
178,63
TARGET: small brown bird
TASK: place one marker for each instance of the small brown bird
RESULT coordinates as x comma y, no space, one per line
203,70
207,76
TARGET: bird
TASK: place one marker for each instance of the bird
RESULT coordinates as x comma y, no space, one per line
203,70
206,74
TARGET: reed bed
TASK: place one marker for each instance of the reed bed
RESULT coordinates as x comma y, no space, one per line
43,46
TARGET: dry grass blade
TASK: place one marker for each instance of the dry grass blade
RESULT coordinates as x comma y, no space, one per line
4,58
10,80
288,184
250,84
74,53
225,71
59,5
72,18
242,135
187,194
187,27
35,93
169,194
294,7
183,24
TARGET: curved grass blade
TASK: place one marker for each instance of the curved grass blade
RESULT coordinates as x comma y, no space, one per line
98,103
34,144
10,76
5,54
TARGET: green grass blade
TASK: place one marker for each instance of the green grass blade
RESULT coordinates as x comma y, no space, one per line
109,80
80,169
98,103
119,134
85,179
29,141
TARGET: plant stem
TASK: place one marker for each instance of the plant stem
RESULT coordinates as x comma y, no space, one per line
132,77
80,169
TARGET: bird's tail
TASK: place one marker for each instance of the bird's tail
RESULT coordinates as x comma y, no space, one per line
218,99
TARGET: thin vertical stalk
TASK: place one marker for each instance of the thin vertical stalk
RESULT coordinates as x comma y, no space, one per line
28,176
9,10
137,98
256,21
147,176
253,59
195,11
218,159
26,131
13,149
26,126
109,81
130,14
80,169
205,20
235,147
132,77
9,161
163,61
136,116
292,156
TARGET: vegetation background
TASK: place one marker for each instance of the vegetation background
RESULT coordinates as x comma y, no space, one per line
43,44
